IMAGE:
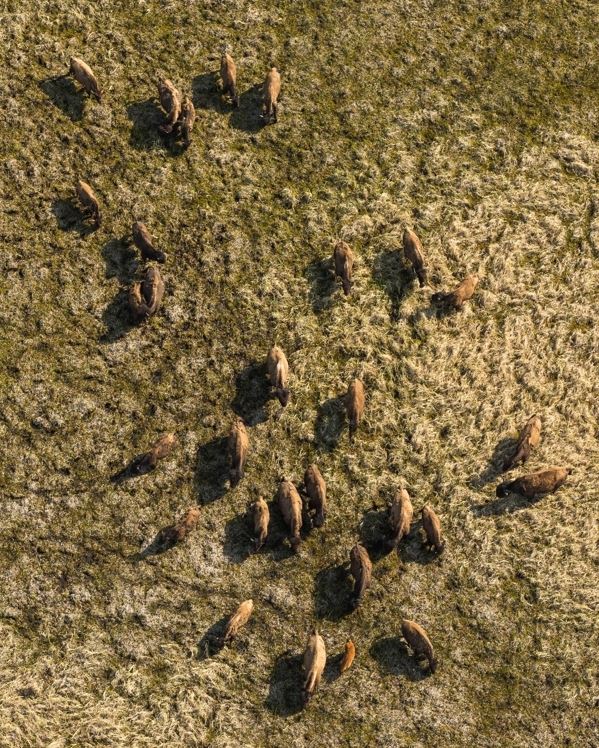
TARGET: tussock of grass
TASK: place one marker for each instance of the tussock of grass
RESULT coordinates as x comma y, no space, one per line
476,125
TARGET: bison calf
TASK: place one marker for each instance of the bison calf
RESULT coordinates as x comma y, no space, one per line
228,74
159,450
354,405
419,642
400,516
534,484
348,656
238,620
260,518
170,101
316,488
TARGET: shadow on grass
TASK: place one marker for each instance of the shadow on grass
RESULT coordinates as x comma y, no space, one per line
117,318
206,93
321,277
212,470
239,542
505,505
394,658
390,273
164,540
63,93
120,260
70,217
494,467
252,392
285,693
211,642
246,116
333,590
145,118
412,549
375,533
330,421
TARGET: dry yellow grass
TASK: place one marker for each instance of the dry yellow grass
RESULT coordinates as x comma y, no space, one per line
474,124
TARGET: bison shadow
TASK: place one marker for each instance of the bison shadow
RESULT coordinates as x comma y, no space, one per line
247,116
285,693
412,549
120,260
212,641
212,470
206,93
505,505
494,467
375,533
70,217
239,541
162,542
63,93
330,421
394,658
145,117
321,276
333,593
117,318
252,392
391,274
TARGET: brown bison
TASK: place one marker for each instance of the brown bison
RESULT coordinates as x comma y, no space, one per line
260,518
272,88
228,74
315,659
316,488
529,437
348,656
343,257
238,620
83,74
361,570
238,448
159,450
419,642
186,120
170,101
455,299
144,242
413,252
176,533
278,371
89,201
432,528
354,405
400,516
290,505
534,484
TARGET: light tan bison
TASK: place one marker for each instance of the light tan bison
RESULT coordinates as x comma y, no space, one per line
419,642
145,243
348,656
290,505
455,299
361,570
278,371
272,89
315,659
238,620
354,405
414,253
432,528
83,74
228,74
261,518
400,516
316,489
170,101
89,201
343,257
239,443
529,438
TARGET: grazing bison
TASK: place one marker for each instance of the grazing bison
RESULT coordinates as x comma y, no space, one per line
186,120
354,405
144,242
315,659
176,533
316,488
343,257
238,620
455,299
89,201
83,74
272,88
400,516
170,101
260,518
145,297
290,505
529,437
159,450
432,528
278,371
419,642
228,74
238,448
413,252
361,570
534,484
